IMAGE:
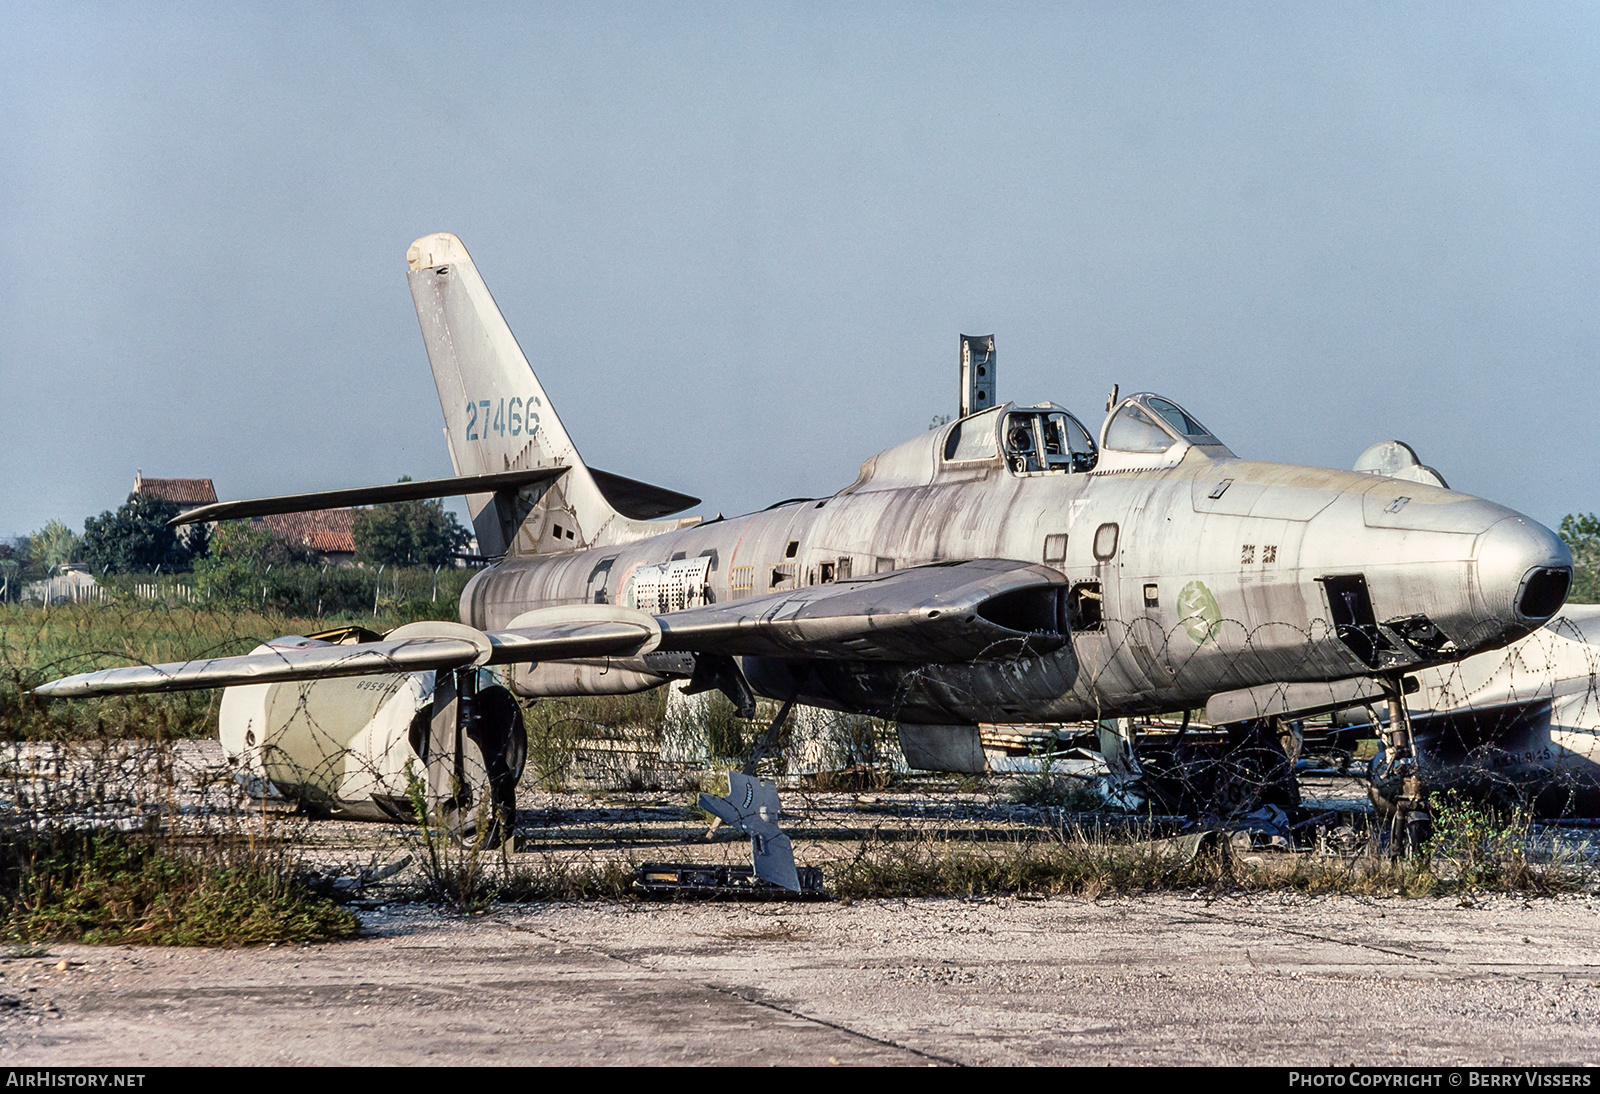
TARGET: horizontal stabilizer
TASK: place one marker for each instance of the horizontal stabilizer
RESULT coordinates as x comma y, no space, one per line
371,495
640,500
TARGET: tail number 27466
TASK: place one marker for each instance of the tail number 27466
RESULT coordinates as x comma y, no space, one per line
511,417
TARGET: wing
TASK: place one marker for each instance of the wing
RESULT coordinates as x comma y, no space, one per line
984,610
416,647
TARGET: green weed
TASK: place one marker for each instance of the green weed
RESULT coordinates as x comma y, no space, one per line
1481,847
113,887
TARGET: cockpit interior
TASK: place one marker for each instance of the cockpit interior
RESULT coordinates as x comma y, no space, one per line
1034,439
1046,438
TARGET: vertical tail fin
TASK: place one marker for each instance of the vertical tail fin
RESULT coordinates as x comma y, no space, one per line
496,414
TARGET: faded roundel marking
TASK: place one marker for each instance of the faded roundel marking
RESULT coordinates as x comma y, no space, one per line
1198,612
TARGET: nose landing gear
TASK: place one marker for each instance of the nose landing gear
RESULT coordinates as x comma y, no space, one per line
1396,789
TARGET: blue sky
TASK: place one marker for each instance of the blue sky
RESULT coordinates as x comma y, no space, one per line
739,242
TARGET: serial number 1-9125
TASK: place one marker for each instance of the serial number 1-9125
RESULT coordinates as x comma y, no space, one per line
511,417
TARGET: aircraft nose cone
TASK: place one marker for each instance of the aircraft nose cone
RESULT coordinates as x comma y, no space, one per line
1524,570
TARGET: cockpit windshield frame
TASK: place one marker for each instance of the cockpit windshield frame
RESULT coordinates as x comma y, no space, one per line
974,437
1147,423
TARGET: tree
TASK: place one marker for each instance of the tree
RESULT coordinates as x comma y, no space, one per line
53,544
136,538
254,545
408,533
1582,534
242,553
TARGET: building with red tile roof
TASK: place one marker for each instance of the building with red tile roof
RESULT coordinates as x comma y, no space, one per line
328,532
186,494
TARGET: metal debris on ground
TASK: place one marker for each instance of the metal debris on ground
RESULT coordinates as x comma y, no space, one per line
699,880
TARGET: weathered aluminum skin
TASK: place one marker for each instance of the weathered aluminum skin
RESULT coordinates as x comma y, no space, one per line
1208,567
428,645
1236,577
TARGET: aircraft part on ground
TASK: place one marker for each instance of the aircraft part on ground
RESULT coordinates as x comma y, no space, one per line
1228,773
752,804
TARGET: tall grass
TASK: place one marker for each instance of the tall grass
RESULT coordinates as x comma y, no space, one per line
112,826
39,644
1076,864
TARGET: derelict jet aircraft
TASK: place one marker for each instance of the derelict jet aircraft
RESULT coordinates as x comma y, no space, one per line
1010,566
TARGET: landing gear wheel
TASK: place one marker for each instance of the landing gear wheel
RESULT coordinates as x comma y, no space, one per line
1419,830
502,739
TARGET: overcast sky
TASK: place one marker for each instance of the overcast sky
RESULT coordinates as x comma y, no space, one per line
739,242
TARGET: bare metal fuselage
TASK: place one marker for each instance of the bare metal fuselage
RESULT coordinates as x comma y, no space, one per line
1199,592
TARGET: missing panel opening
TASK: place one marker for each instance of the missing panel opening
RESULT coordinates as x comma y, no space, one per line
1350,608
1085,608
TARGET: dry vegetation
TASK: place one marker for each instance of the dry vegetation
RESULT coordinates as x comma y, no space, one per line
106,835
1093,867
116,887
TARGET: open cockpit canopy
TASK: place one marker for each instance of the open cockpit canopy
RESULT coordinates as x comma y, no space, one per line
1036,439
1144,431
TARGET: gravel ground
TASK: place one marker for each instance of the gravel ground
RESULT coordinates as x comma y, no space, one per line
1161,979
